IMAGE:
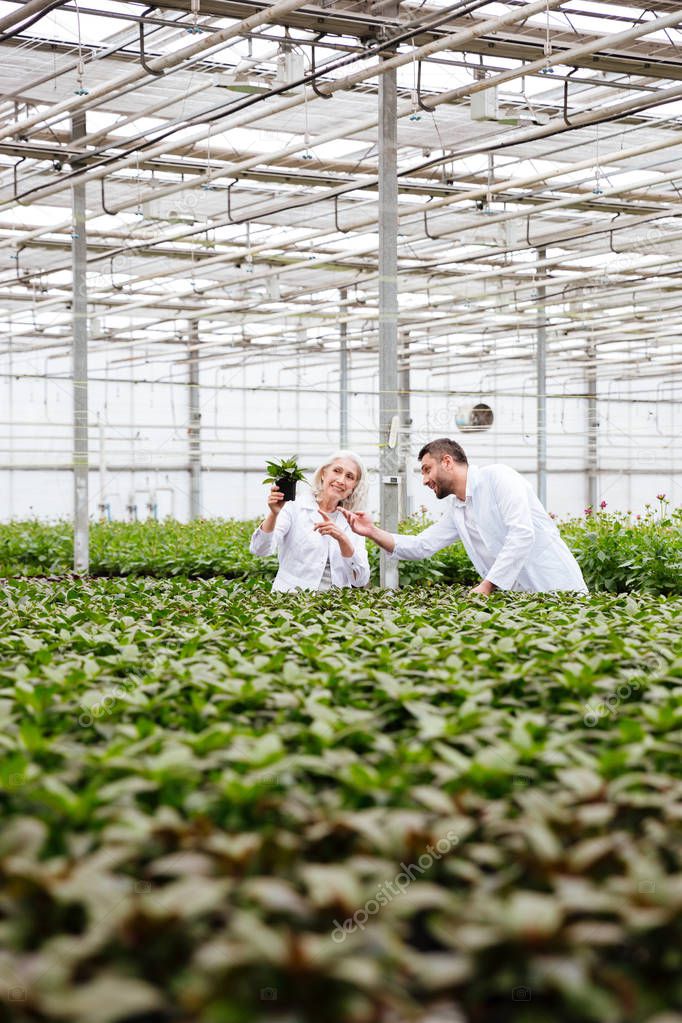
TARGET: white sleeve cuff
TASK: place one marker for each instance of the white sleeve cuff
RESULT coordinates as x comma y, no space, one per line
262,543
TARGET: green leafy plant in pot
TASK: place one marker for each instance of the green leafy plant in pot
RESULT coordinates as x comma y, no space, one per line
285,474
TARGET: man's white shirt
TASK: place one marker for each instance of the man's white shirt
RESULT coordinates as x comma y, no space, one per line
506,532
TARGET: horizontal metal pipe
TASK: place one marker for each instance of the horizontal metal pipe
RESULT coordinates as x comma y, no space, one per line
107,89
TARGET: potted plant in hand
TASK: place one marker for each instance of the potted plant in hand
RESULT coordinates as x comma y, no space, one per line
285,474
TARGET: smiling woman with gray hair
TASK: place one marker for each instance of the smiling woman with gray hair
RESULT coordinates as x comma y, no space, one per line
316,547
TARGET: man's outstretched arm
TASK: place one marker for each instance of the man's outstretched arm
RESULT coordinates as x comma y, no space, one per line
408,548
361,523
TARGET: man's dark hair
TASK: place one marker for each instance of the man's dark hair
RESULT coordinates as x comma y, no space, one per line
444,446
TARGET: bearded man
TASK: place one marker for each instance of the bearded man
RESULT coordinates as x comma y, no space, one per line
510,538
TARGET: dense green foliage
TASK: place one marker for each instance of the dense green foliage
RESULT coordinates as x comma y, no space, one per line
202,783
620,554
202,548
615,552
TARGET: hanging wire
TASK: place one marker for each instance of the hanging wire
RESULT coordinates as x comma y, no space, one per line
194,8
415,115
80,71
248,259
307,155
597,190
547,70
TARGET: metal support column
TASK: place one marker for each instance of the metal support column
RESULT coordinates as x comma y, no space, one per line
343,374
194,430
102,503
79,305
10,429
541,366
592,426
388,318
405,423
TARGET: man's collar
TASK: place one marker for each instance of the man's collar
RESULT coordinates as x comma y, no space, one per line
471,484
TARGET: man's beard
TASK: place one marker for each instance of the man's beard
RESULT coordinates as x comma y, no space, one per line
442,489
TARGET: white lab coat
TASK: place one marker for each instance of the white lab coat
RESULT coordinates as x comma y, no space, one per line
303,551
506,532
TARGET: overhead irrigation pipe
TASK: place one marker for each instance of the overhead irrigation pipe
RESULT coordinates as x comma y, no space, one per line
225,170
293,267
280,346
139,113
470,195
35,9
568,288
567,56
514,287
649,27
406,32
606,300
473,317
557,125
151,301
105,90
535,242
453,41
502,332
509,184
558,321
671,209
518,285
520,215
119,45
26,87
510,332
403,58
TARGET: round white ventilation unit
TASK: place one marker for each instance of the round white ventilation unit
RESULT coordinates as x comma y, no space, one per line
470,418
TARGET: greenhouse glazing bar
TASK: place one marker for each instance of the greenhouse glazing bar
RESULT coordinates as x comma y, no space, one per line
79,250
343,372
388,317
194,431
592,426
541,361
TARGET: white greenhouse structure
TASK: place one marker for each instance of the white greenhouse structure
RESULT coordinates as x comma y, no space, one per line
235,229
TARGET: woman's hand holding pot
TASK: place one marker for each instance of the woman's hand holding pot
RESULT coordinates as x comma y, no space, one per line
275,505
275,500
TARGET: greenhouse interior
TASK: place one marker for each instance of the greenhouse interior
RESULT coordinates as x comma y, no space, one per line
420,260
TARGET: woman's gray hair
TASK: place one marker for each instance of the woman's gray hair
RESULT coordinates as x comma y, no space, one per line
358,499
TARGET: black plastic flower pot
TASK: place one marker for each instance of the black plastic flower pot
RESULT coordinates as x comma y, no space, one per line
288,487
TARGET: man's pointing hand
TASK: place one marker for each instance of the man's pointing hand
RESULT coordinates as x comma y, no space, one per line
360,522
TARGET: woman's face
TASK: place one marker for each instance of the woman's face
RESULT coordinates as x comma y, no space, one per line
340,479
